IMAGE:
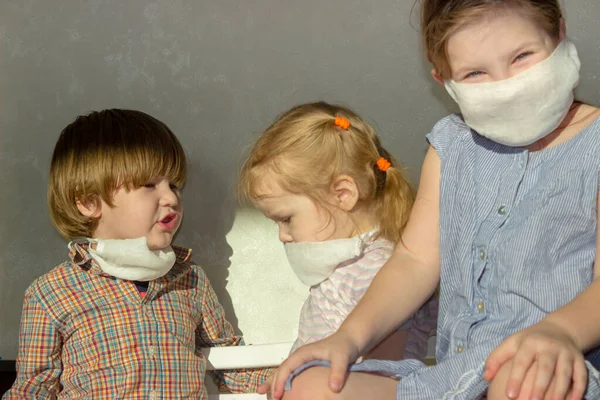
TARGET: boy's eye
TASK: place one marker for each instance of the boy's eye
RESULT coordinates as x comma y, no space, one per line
150,185
286,220
174,187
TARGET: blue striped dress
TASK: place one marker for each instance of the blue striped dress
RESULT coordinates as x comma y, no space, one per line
517,241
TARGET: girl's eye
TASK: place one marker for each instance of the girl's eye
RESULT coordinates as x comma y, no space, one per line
473,74
522,56
286,220
174,187
149,185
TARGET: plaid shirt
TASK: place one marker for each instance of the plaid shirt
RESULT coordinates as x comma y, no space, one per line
85,334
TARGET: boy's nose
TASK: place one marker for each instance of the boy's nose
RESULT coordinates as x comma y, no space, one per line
169,198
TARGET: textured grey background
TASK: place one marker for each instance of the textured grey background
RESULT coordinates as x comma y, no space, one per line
217,72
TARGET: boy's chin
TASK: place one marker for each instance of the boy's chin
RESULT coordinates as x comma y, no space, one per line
159,243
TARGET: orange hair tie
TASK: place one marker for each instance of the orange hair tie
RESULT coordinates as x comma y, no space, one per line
342,123
383,164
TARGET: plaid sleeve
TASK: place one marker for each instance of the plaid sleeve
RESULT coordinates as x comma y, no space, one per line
216,331
39,362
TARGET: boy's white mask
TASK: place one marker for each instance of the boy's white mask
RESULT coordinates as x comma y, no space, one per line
131,259
520,110
313,262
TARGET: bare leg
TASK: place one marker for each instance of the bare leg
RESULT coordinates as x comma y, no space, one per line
312,385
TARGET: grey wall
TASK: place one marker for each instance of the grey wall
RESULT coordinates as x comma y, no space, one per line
217,72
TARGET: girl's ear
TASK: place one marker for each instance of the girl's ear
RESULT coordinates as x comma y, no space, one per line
345,192
437,77
91,208
563,29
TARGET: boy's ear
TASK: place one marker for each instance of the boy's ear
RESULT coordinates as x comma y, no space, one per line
91,208
437,77
345,192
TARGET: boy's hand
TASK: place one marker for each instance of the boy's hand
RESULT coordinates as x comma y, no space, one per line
266,386
560,363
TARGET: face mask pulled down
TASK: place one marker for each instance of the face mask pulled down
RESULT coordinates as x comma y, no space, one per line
313,262
520,110
131,259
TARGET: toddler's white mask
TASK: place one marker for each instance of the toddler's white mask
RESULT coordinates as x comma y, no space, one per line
313,262
520,110
131,259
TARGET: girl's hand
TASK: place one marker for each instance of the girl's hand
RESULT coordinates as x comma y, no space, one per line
337,349
560,363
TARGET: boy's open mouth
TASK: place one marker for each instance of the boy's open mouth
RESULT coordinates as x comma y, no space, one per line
170,217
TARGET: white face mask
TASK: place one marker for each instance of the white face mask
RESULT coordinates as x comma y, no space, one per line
313,262
131,259
523,109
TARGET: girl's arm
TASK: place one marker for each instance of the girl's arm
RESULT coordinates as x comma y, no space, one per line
402,285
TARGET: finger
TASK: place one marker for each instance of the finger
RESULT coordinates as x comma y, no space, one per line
497,358
521,363
277,394
264,388
563,376
546,366
339,372
580,376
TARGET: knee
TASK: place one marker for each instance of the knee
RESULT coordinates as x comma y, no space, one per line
312,384
497,389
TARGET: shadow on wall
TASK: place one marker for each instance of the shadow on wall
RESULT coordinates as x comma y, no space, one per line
209,212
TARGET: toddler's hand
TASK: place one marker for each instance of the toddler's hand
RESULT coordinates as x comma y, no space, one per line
266,386
560,363
338,349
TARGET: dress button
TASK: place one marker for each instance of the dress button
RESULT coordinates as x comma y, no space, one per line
152,395
152,351
480,306
482,254
502,210
460,348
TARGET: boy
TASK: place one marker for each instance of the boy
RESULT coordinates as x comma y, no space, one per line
126,315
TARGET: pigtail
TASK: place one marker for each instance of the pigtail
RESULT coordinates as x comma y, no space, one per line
395,197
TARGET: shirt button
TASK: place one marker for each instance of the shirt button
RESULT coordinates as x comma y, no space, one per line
502,210
480,306
482,254
152,351
460,348
152,395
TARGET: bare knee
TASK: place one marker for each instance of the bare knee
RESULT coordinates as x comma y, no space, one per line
497,389
311,384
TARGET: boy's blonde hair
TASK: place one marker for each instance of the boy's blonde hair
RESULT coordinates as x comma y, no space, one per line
441,18
102,151
306,151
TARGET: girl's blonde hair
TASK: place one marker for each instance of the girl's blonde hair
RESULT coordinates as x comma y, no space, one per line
102,151
306,151
441,18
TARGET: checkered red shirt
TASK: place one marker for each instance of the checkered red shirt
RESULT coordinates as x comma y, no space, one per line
85,335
